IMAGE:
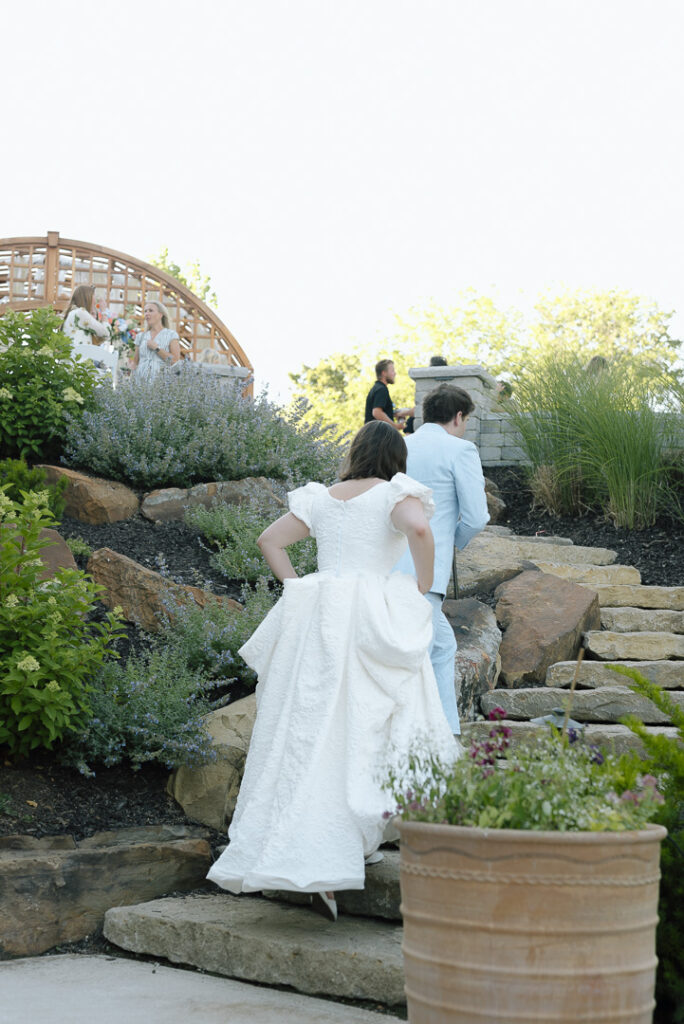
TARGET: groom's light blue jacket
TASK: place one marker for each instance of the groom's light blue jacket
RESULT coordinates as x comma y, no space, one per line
451,467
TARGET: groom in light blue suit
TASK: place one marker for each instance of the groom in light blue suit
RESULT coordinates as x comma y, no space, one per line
441,458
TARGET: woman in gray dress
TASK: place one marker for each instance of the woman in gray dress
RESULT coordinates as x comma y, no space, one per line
157,346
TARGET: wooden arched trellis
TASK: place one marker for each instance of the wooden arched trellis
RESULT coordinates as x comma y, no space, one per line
44,272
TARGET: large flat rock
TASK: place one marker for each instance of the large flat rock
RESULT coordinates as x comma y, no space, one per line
605,704
617,738
58,891
667,674
633,620
259,940
635,646
169,503
380,896
634,596
590,575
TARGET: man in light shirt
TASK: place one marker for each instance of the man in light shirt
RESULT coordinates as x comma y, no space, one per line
441,458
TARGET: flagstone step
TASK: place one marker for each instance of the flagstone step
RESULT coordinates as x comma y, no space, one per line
591,574
646,646
613,737
379,898
632,620
667,674
605,704
633,596
271,943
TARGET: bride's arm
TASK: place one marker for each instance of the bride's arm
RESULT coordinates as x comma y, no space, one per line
409,517
273,541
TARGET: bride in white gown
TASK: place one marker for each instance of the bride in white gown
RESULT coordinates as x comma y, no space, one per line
345,681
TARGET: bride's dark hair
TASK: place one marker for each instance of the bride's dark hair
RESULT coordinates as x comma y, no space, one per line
377,450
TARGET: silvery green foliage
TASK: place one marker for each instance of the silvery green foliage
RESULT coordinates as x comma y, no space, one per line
186,427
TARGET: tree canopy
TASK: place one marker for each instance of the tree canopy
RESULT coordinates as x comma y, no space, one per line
476,329
193,278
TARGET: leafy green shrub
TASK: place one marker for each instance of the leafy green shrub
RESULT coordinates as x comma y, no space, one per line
664,756
206,640
48,651
79,547
595,440
150,709
40,384
234,530
187,427
15,477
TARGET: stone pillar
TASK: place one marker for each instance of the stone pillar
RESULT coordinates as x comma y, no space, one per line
474,379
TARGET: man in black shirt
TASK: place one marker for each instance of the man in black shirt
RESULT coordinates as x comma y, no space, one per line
378,402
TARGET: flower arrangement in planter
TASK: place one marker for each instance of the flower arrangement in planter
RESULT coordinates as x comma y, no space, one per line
530,884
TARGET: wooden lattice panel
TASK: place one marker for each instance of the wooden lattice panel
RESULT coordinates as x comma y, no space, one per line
44,272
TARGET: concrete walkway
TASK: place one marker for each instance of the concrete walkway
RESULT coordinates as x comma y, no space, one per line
107,990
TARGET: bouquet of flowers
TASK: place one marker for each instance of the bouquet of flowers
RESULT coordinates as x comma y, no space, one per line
123,329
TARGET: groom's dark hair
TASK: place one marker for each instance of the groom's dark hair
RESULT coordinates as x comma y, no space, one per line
445,402
377,450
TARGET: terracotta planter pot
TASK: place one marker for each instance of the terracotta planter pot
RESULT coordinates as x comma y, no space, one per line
512,927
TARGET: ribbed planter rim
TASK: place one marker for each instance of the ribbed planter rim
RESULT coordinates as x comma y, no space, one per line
652,833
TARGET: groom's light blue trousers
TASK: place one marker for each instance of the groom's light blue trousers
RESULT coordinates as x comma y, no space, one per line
442,654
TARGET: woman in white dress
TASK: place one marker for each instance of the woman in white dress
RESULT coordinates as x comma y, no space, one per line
345,681
156,347
80,324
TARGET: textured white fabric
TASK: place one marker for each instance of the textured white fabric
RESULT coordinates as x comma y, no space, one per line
82,327
345,685
150,364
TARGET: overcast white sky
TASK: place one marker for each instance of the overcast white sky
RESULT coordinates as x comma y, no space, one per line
331,161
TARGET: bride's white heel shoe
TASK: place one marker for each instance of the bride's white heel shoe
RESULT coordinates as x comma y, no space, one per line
324,905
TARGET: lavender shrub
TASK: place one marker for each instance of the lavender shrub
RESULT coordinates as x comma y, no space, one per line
185,428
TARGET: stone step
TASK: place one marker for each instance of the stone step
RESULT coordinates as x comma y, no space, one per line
633,596
633,620
613,737
667,674
646,646
271,943
605,704
380,897
590,574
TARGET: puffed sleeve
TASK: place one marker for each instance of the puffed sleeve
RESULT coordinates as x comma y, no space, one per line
402,486
300,503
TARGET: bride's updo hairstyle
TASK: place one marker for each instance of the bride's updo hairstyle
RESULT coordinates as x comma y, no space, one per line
377,450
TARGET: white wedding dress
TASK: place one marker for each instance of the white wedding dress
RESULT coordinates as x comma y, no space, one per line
345,686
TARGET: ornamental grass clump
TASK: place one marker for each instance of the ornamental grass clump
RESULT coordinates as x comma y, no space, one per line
41,384
548,783
188,427
596,439
49,651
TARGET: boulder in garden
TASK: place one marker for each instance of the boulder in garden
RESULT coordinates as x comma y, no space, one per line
477,660
91,499
543,618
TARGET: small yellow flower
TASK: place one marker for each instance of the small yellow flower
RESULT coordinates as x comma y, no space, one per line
6,393
117,610
45,351
12,601
28,664
53,686
52,601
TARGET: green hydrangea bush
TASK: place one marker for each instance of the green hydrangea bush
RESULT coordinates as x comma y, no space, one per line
41,385
187,427
49,651
16,477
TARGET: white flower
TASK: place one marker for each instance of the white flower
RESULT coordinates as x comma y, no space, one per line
28,664
6,393
53,685
12,601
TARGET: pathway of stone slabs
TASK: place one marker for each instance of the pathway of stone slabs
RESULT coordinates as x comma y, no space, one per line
109,990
